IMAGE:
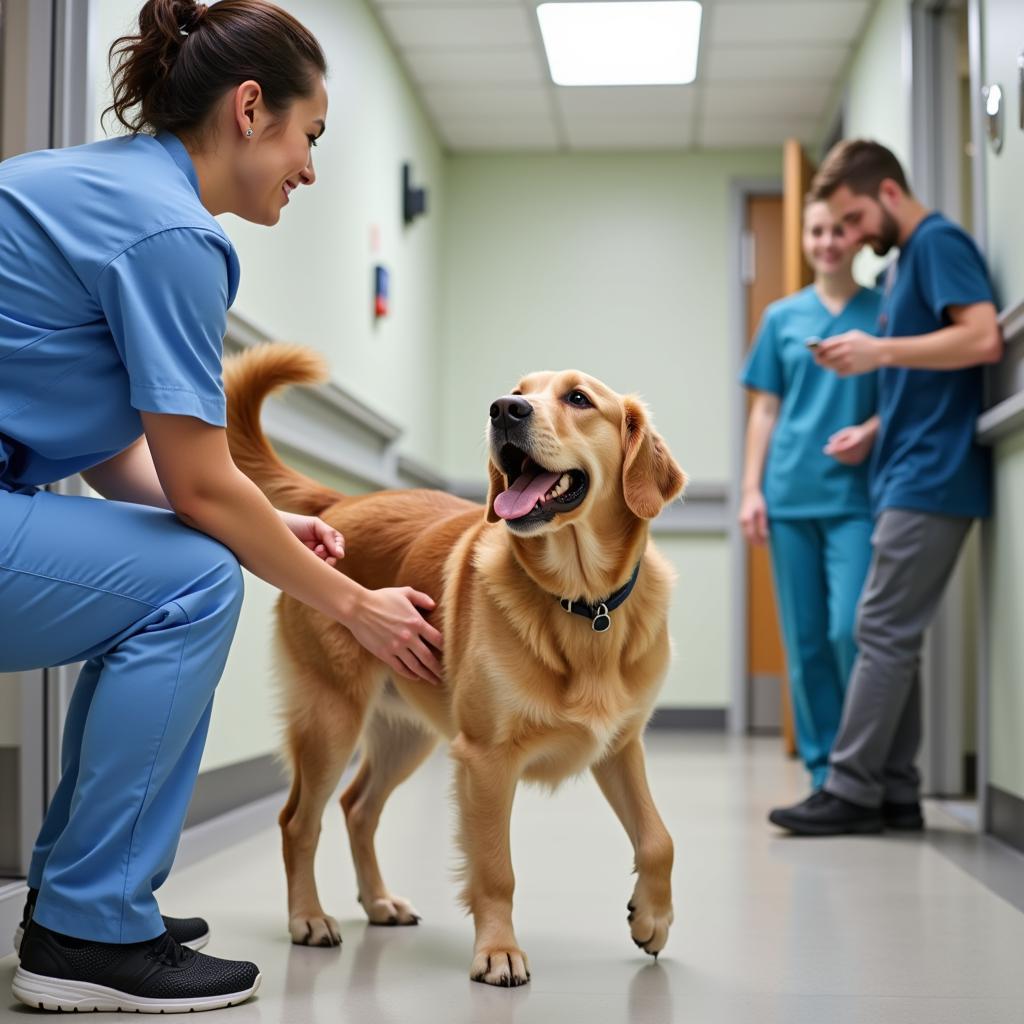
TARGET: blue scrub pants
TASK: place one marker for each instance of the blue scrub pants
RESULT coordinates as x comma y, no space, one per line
819,567
150,606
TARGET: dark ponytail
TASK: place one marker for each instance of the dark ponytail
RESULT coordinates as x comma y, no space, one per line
187,55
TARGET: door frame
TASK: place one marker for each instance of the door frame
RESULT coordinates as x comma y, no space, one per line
740,190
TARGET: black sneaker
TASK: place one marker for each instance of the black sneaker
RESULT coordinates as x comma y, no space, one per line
903,817
59,972
193,932
823,814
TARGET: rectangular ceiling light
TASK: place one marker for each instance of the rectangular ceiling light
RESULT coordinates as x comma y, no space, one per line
640,42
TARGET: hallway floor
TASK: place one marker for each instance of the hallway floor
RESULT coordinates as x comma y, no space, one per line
872,930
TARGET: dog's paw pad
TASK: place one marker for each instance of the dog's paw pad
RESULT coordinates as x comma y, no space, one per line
315,930
391,911
504,968
649,926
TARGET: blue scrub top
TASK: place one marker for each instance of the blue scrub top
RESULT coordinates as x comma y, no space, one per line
115,283
800,481
926,457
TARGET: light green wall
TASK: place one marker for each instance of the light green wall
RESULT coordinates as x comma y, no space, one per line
309,279
1006,601
699,616
1003,36
618,265
877,86
1003,33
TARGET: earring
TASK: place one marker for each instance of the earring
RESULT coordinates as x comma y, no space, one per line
248,133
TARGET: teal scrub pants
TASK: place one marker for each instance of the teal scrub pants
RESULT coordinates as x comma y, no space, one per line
150,606
819,566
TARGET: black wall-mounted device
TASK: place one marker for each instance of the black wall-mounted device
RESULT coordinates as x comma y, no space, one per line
414,200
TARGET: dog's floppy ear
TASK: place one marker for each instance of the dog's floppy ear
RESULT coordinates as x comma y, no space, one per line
650,476
496,484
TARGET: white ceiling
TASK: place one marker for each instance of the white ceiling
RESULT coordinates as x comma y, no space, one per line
766,72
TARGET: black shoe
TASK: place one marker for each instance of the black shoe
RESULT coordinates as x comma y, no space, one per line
823,814
59,972
193,932
903,817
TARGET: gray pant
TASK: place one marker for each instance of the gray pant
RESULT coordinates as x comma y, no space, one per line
873,756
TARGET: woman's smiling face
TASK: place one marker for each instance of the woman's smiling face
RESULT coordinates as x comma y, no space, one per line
278,157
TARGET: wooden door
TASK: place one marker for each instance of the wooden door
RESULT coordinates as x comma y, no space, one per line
766,665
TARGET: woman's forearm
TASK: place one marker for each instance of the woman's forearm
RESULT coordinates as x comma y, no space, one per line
760,425
238,514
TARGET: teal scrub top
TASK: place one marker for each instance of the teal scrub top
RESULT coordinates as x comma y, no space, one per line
800,481
115,283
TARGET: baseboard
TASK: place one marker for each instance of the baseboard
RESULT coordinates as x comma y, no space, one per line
702,719
1006,817
225,789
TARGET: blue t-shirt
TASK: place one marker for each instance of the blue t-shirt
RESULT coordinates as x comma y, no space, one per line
115,283
800,480
926,457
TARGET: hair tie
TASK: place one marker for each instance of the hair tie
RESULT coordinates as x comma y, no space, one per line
195,19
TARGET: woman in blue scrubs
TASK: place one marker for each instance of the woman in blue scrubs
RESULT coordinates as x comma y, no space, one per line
115,280
805,485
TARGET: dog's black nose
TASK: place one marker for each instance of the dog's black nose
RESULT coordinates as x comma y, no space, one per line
512,409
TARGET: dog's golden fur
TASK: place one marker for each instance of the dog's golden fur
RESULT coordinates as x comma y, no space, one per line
530,692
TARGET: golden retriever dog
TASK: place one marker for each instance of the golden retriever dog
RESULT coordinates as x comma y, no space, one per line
548,671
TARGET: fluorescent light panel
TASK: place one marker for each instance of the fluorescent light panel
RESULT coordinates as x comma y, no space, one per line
646,42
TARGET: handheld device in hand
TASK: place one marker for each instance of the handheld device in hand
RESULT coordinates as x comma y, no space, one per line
813,343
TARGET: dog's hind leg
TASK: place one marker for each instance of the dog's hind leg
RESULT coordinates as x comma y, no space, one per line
321,745
393,748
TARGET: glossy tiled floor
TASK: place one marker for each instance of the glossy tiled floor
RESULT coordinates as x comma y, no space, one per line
850,931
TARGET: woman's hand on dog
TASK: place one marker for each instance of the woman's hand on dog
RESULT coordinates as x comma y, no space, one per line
324,541
389,624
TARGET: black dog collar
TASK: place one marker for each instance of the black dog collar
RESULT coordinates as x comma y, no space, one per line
600,613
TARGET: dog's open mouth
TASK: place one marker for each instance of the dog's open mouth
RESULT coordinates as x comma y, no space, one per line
536,494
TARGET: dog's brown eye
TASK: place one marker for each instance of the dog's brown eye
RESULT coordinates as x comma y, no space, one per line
579,399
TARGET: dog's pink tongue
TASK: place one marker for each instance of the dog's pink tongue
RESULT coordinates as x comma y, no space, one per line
520,498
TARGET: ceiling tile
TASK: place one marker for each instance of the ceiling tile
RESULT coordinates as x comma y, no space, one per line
629,133
744,63
455,102
757,99
626,101
499,133
809,21
434,67
471,27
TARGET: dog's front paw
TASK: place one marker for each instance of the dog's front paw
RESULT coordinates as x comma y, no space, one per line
648,922
390,910
507,968
318,930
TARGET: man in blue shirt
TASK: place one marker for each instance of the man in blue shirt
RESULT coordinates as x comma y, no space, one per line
929,477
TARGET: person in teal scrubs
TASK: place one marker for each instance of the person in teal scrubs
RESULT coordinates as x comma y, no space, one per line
805,479
115,281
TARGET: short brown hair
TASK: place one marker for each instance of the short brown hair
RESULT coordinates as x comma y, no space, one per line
185,56
860,165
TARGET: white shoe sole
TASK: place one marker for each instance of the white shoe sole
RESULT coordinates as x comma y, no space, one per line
195,944
44,993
